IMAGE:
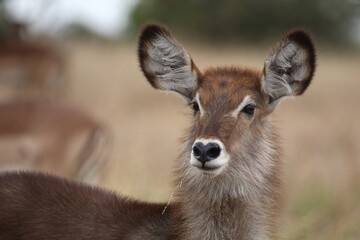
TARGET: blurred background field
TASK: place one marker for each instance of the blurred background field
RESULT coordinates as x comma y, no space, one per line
320,130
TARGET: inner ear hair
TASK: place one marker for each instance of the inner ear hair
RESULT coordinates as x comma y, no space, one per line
165,63
289,68
150,33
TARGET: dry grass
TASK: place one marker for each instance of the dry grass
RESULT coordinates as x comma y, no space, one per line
321,133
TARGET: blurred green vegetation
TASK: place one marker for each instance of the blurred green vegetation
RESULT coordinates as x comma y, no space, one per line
254,21
323,215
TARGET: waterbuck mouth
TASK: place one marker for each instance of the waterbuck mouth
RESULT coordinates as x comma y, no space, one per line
209,168
210,171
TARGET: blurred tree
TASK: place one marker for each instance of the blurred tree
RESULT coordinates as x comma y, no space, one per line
81,31
9,28
250,20
3,16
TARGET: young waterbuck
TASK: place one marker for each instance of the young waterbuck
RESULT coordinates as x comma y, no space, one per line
228,183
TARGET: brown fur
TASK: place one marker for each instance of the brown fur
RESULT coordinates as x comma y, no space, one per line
241,202
236,216
38,207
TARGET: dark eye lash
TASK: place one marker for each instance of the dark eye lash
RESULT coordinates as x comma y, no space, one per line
195,106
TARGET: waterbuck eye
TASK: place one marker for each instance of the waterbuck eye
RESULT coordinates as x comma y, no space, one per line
195,106
249,109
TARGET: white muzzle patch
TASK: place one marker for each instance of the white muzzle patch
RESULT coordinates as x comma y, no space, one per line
213,166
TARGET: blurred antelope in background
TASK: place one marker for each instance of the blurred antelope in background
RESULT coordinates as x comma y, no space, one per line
228,172
54,137
34,65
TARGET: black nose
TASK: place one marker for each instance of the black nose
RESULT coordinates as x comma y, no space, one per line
205,153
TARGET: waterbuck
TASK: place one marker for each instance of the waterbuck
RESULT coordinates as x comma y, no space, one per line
52,136
227,174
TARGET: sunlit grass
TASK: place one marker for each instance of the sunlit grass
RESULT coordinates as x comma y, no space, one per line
320,214
320,132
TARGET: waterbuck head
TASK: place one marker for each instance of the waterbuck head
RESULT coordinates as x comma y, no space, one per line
230,104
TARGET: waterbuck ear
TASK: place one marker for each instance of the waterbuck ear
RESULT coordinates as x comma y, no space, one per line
165,63
289,68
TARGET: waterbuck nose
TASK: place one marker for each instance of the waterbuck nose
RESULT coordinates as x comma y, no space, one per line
205,153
